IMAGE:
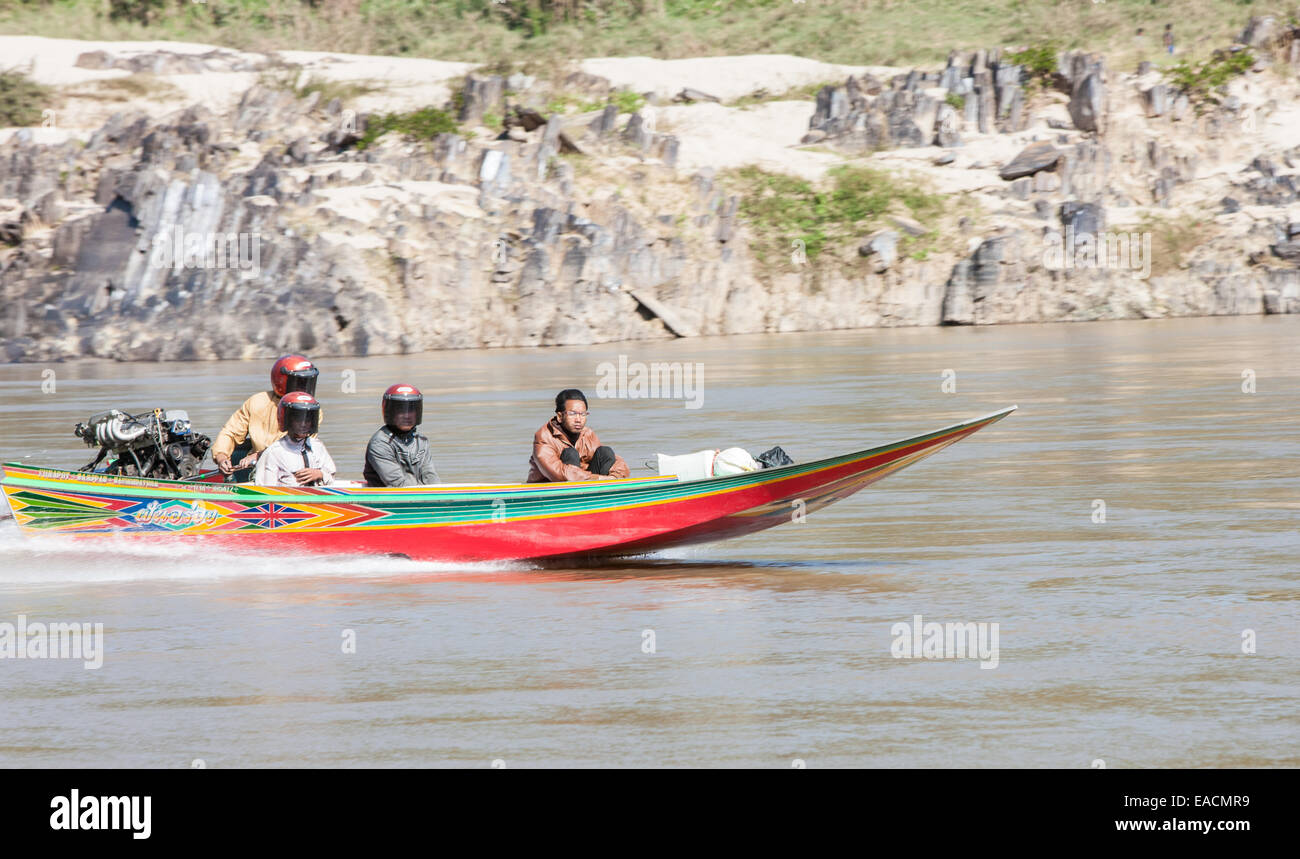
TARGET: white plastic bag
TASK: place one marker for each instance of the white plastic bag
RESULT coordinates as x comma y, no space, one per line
733,460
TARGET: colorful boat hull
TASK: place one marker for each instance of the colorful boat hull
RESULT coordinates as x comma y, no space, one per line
459,522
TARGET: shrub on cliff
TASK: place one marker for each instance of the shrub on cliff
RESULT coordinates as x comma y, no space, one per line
424,124
1203,83
783,210
1040,66
21,99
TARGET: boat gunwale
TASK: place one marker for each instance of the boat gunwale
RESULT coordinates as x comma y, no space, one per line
441,494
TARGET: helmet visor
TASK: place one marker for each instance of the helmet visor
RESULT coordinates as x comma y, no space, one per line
301,380
399,413
300,422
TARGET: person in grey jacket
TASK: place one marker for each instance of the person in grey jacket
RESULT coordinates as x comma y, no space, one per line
397,455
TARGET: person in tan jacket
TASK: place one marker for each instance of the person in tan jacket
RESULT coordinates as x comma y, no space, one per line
565,448
255,425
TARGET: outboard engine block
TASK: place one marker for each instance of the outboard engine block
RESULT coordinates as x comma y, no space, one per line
160,444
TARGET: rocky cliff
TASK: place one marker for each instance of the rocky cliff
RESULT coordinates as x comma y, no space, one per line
259,220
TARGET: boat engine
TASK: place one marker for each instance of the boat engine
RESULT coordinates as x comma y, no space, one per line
160,444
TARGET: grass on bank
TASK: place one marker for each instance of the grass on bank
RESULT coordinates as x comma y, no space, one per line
890,32
833,217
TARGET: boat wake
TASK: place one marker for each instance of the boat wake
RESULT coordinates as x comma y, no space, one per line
58,559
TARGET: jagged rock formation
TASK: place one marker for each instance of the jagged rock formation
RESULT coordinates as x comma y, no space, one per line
338,252
982,91
198,235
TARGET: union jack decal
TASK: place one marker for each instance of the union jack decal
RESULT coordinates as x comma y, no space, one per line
270,515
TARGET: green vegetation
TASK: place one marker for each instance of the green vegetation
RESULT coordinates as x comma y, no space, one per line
565,103
22,99
627,101
782,210
1172,239
1202,83
891,32
423,124
1039,62
956,101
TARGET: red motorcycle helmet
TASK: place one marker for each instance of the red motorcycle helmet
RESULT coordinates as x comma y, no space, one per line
299,413
293,373
403,401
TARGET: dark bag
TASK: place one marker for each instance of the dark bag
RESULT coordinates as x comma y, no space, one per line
774,458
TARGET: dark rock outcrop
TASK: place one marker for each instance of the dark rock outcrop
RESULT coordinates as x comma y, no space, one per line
1033,158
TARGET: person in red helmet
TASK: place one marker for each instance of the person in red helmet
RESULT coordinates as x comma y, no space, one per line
397,455
296,458
254,425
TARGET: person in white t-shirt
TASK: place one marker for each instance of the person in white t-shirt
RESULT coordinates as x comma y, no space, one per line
296,459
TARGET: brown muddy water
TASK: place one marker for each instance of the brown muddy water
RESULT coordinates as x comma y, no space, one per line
1119,641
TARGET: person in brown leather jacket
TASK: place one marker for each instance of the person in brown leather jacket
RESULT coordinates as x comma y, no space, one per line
565,448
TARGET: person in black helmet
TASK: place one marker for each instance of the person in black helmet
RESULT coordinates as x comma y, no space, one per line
397,455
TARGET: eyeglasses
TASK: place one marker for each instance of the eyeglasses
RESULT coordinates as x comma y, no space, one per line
577,414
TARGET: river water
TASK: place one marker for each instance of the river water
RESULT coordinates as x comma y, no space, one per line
1119,641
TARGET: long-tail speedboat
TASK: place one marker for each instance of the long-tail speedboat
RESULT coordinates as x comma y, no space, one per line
455,522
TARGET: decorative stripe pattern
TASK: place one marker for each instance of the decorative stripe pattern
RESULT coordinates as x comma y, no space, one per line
48,500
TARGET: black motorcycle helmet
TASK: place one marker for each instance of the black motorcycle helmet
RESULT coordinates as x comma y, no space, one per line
403,402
